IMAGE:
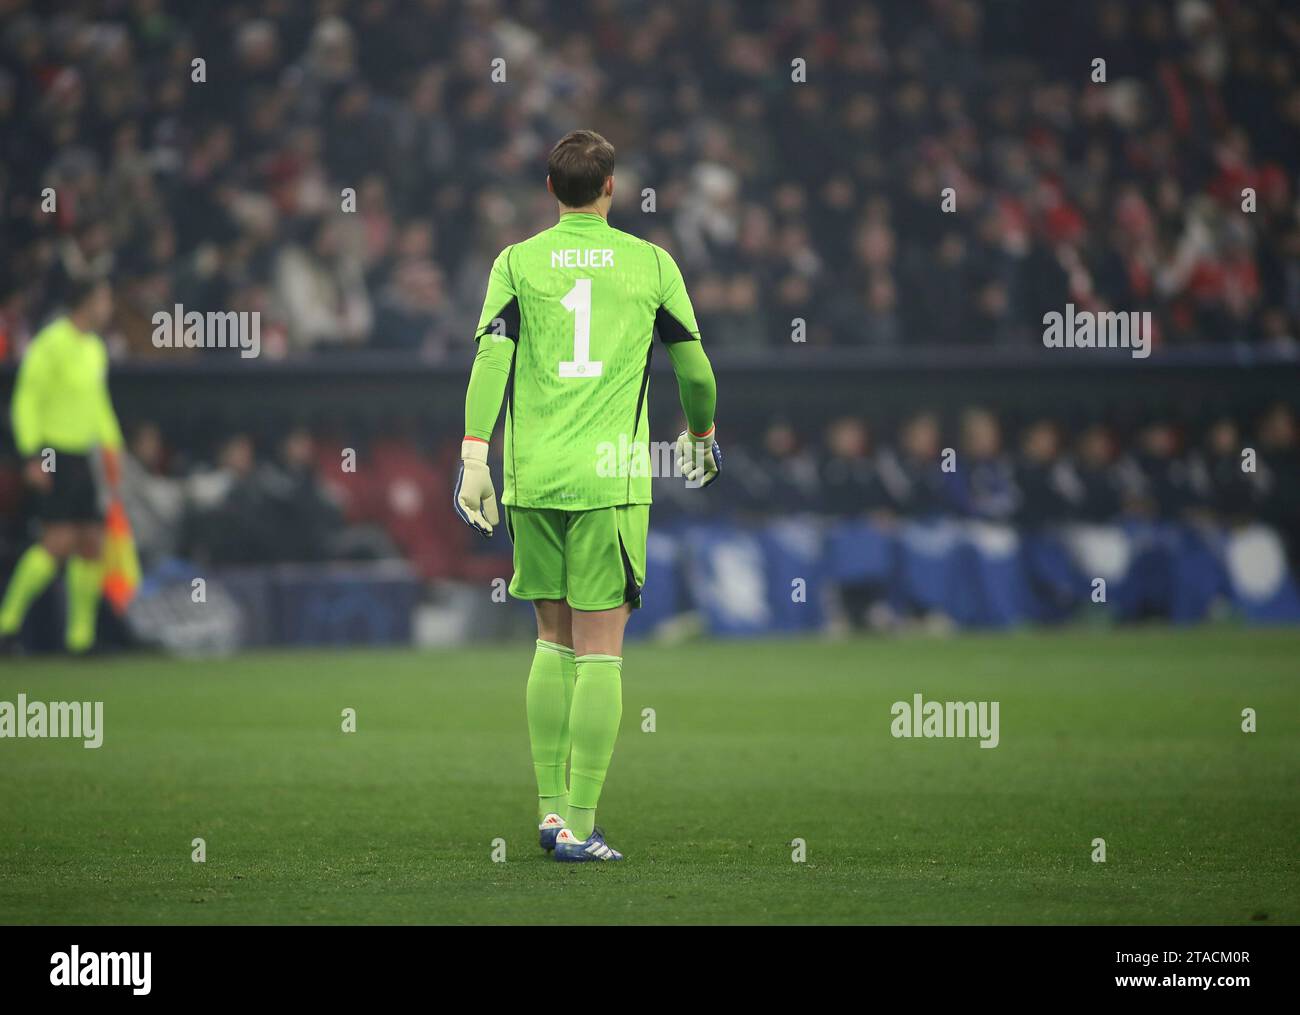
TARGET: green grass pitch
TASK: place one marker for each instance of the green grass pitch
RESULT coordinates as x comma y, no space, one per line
1132,736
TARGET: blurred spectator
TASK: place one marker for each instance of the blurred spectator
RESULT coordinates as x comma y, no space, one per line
1236,494
782,478
913,476
984,485
229,514
850,478
322,291
154,500
1104,480
306,521
1170,483
1047,481
1279,454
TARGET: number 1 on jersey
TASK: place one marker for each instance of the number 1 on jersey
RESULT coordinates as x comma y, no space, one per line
578,300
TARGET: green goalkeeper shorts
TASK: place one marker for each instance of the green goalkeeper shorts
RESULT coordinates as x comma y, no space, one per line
595,560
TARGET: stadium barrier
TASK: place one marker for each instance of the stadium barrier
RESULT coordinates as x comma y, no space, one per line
774,578
292,604
748,579
786,577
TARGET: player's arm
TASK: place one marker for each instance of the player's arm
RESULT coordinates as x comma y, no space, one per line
30,388
698,455
498,330
695,386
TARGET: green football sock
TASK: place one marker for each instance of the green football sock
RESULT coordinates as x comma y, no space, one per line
550,694
593,725
85,578
36,569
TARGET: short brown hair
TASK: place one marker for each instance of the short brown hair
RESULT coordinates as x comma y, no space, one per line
579,164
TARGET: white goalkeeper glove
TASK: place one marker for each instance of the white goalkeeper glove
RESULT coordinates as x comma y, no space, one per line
699,457
476,499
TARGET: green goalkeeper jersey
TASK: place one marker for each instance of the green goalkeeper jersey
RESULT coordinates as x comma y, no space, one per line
581,302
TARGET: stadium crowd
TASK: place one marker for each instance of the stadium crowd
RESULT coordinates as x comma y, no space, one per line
262,498
221,185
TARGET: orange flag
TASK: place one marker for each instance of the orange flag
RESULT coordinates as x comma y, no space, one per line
121,562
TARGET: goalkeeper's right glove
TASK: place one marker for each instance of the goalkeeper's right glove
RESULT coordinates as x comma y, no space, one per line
699,457
476,499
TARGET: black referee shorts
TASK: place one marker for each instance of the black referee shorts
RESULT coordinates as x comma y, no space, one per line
74,493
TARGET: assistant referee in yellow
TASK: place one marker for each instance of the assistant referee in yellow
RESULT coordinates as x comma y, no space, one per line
62,415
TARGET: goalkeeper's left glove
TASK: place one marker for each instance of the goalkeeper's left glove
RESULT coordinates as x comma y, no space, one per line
699,457
476,499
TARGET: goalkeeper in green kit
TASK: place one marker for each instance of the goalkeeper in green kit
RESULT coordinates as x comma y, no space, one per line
565,339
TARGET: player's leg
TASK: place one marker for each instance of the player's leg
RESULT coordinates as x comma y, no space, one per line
538,538
85,583
69,499
549,696
600,632
606,561
597,709
36,568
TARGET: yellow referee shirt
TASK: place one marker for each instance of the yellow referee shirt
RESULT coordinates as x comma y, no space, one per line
61,396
